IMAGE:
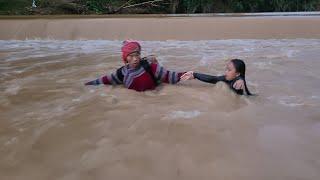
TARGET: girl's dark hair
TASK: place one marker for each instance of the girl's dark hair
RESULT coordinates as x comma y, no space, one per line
240,67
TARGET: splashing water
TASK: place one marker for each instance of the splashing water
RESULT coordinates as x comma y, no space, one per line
53,127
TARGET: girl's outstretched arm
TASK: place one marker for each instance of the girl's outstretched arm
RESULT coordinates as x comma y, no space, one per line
236,86
202,77
209,78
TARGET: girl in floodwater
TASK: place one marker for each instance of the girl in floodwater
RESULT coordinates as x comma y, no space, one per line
138,73
235,77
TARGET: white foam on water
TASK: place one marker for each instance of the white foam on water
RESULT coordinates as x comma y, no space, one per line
43,48
204,61
315,97
13,89
76,100
62,81
183,114
289,101
218,48
263,64
11,141
291,53
291,104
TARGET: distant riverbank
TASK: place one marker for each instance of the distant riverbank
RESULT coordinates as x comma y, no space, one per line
163,27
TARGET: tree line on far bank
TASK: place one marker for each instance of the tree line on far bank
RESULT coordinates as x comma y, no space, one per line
23,7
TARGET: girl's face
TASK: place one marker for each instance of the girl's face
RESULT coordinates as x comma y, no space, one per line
231,72
134,59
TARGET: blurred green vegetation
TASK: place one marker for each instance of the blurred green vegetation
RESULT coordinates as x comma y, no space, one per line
23,7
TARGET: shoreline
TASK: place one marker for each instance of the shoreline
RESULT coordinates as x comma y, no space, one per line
263,14
162,28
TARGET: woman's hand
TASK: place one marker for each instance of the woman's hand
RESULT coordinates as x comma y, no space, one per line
187,76
152,59
239,84
88,83
94,83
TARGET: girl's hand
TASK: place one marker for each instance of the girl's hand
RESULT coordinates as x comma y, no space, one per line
187,76
239,84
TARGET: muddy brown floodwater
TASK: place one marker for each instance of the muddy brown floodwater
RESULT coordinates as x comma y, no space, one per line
53,127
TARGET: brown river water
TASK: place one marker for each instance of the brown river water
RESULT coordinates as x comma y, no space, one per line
53,127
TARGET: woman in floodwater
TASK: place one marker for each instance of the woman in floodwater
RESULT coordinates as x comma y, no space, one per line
138,73
235,77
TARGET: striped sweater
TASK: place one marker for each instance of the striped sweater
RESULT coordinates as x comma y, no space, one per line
139,79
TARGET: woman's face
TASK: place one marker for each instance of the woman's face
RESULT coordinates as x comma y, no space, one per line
231,72
133,59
